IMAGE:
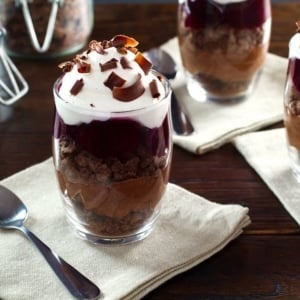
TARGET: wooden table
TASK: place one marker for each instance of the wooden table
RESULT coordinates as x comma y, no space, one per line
264,262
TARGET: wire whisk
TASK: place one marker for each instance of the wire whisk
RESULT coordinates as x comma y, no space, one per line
13,86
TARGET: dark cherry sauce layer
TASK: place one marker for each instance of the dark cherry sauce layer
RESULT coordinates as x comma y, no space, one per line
245,14
116,137
294,72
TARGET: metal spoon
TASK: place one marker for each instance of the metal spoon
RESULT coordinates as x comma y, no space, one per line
13,213
164,63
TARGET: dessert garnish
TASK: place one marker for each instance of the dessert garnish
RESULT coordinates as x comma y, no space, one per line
78,85
131,92
114,80
122,89
145,64
154,89
298,26
110,64
66,66
121,40
125,63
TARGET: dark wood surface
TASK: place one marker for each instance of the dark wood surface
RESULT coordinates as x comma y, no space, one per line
264,262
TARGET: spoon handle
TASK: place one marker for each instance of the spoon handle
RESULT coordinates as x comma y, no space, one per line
77,284
181,122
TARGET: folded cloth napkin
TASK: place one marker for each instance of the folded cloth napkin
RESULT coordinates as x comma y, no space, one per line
266,152
216,124
189,230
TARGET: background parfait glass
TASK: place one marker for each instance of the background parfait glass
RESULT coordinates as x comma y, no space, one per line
292,105
112,168
223,45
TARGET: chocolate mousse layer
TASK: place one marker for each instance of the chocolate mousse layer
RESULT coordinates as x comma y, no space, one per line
108,196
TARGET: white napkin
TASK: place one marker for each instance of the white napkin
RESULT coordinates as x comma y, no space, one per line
189,230
216,124
266,152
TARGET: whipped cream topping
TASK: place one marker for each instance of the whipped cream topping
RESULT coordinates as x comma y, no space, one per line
84,94
294,46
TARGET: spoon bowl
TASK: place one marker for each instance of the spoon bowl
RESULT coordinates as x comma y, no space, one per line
162,62
165,64
13,213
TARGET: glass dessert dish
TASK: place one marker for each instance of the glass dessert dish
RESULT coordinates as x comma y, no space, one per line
223,45
292,105
112,142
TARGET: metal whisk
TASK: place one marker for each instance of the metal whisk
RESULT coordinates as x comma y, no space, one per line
13,86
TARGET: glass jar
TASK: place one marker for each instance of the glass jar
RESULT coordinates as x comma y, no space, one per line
46,28
223,45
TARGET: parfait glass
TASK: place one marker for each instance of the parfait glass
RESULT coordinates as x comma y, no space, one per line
223,45
292,105
112,168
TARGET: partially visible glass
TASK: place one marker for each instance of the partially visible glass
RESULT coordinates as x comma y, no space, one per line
292,105
223,45
114,170
43,29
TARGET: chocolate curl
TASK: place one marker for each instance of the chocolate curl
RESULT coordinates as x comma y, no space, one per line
143,62
133,50
121,40
154,89
125,63
106,44
110,64
66,66
131,92
76,88
97,46
122,50
114,80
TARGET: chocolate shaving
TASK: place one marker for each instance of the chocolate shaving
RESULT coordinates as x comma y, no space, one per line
143,62
298,26
66,66
76,88
154,89
131,92
97,46
133,50
113,81
83,67
106,44
122,50
110,64
83,57
121,40
125,63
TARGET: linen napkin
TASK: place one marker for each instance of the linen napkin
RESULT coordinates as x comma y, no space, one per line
189,230
216,124
266,152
